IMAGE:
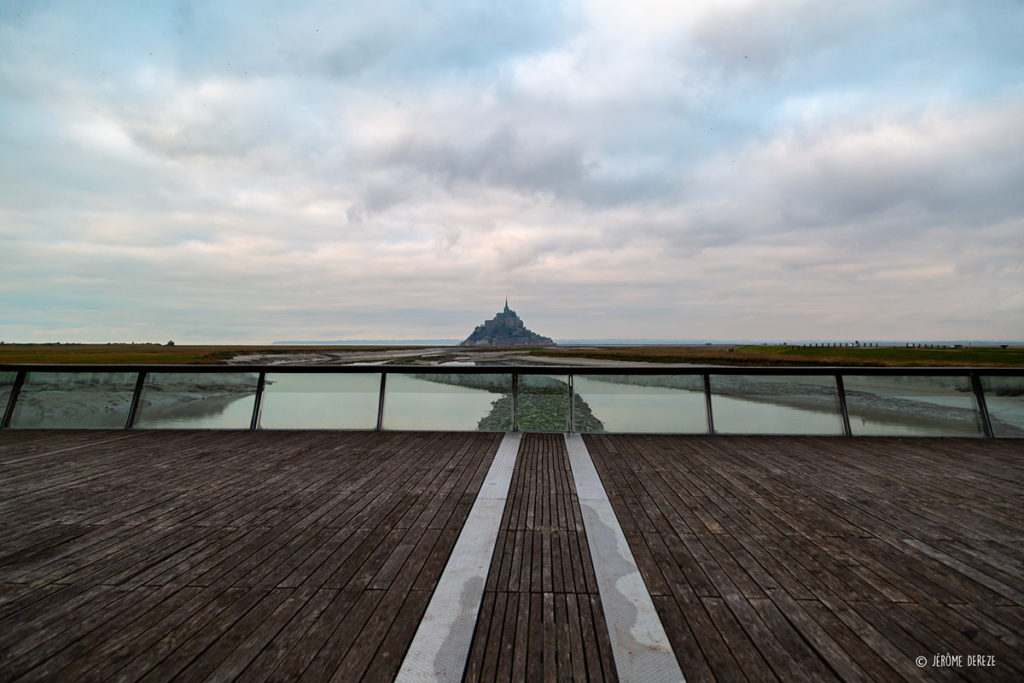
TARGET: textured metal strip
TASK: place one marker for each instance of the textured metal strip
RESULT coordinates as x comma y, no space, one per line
440,648
639,644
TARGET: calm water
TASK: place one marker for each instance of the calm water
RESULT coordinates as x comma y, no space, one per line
350,402
412,403
751,405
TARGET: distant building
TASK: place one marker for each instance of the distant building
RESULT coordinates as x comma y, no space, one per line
505,329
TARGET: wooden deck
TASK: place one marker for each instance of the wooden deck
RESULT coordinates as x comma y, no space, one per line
216,555
795,558
541,616
282,555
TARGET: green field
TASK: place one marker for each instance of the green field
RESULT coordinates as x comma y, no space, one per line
708,354
800,355
145,353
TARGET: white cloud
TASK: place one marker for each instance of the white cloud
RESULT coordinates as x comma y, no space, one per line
683,169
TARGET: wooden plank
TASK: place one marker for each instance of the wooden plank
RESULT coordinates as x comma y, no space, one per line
825,555
688,651
773,517
574,633
367,639
509,638
483,652
307,647
535,639
750,658
604,643
344,637
232,646
521,653
234,525
289,637
394,644
538,557
49,647
560,628
165,630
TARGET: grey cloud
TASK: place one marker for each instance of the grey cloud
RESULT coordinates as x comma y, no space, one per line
399,157
960,175
506,158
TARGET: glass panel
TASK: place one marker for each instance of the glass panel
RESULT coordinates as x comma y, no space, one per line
197,400
320,401
544,403
639,403
775,404
74,400
455,402
1004,398
911,406
6,384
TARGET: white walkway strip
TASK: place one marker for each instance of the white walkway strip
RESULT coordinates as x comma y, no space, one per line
441,645
639,644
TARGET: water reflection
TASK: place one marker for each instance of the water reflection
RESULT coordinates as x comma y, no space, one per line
448,402
1004,398
6,386
911,406
61,400
173,400
795,404
320,401
641,404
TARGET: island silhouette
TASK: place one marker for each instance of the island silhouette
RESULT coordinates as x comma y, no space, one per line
505,329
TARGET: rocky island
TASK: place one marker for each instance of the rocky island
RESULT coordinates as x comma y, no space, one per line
505,329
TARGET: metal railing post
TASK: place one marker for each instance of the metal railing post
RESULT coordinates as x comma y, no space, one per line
133,409
979,396
515,401
707,403
19,380
258,403
572,400
843,411
380,401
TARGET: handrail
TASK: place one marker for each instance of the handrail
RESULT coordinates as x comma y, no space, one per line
704,372
943,371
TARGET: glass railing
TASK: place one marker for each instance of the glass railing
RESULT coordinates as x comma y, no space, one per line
7,379
86,400
1004,398
543,403
649,404
197,400
787,404
912,406
448,402
678,400
319,401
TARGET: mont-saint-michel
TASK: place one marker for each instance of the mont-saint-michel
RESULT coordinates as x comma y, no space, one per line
505,329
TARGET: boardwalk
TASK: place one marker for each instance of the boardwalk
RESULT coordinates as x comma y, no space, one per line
284,555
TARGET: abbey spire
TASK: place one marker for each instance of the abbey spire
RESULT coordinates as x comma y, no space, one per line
505,329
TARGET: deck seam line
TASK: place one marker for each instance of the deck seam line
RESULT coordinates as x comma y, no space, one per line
640,647
440,649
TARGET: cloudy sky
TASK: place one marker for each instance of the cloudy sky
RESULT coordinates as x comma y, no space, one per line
216,171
